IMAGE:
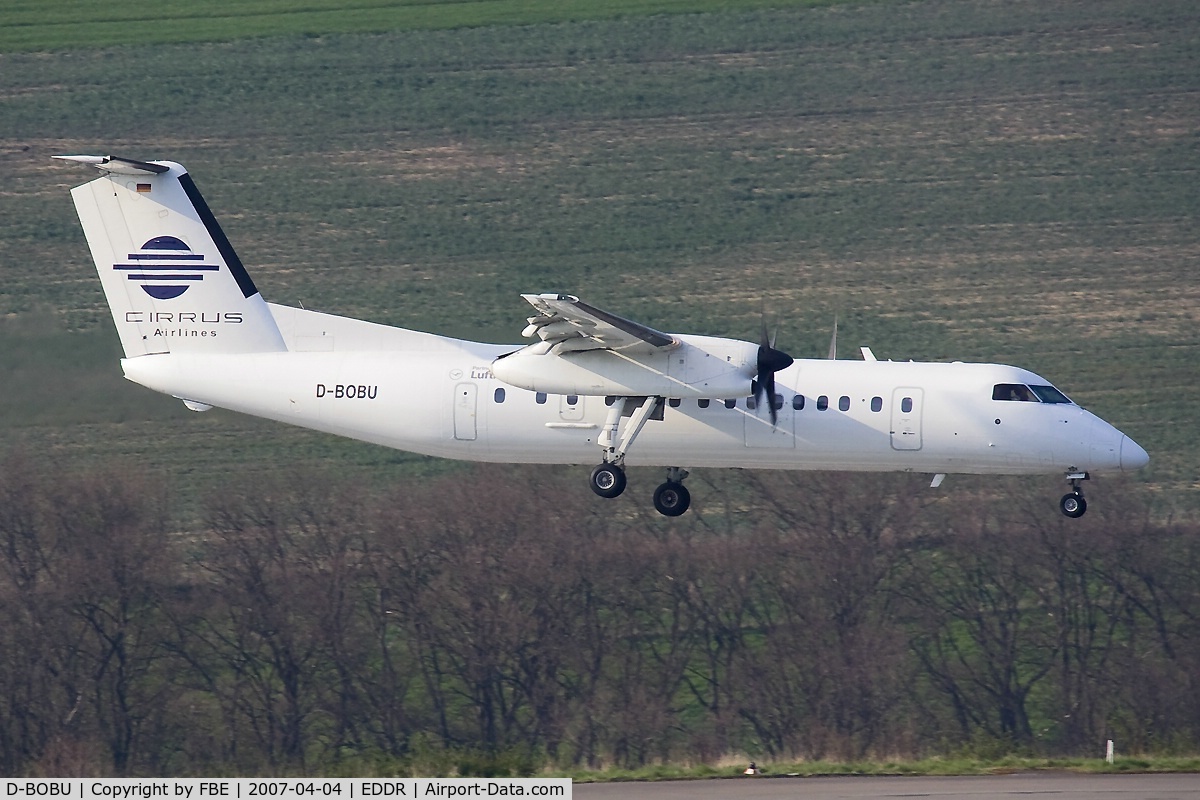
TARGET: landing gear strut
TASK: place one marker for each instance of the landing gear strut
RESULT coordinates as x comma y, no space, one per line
1072,504
608,479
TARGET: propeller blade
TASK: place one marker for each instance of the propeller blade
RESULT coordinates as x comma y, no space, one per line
833,341
770,361
769,380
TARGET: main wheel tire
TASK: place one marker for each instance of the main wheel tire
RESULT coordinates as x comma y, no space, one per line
608,480
672,499
1073,505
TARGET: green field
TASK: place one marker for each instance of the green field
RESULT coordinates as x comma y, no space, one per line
71,24
954,179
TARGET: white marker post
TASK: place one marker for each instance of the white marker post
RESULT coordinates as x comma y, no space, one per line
1108,753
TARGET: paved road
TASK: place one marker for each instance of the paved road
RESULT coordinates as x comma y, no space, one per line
1035,785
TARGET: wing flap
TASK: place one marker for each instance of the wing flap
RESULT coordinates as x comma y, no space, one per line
568,324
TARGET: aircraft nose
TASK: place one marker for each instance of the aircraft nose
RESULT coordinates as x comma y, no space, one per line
1133,457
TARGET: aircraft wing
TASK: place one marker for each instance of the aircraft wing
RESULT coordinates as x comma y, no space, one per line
567,325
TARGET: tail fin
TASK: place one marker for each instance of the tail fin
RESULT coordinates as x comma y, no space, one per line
172,280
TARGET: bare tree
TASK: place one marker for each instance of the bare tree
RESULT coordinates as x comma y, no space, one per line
88,567
117,570
980,630
311,622
281,573
827,610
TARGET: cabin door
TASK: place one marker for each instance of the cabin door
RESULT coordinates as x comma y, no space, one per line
906,418
761,433
465,414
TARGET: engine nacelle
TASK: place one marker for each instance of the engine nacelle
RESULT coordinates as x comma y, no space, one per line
700,366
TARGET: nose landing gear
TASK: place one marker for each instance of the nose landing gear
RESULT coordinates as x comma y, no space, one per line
1072,504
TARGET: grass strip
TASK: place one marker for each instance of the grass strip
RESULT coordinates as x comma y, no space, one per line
936,766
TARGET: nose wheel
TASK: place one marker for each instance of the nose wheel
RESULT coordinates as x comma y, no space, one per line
1072,504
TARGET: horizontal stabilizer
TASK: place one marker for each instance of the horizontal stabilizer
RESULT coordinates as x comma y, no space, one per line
122,166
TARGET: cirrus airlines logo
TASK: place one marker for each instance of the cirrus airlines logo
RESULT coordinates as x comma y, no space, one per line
165,267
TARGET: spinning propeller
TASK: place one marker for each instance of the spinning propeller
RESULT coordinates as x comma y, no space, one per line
770,361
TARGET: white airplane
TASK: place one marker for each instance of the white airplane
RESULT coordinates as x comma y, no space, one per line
591,387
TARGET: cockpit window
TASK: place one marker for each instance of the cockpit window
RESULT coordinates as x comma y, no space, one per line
1028,394
1048,394
1013,391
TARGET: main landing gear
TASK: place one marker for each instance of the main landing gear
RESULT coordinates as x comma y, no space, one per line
608,479
1072,504
671,498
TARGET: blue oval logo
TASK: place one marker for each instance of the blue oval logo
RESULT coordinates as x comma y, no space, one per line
165,267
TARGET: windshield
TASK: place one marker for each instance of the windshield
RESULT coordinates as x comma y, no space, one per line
1048,394
1020,393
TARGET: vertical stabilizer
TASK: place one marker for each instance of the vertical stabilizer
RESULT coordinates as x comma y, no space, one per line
172,279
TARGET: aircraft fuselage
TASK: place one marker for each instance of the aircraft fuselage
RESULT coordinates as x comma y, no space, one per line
438,396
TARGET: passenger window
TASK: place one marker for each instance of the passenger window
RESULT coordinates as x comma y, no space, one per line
540,397
822,402
609,400
1018,392
906,405
877,404
572,399
731,403
777,401
798,402
499,394
751,403
703,402
844,403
